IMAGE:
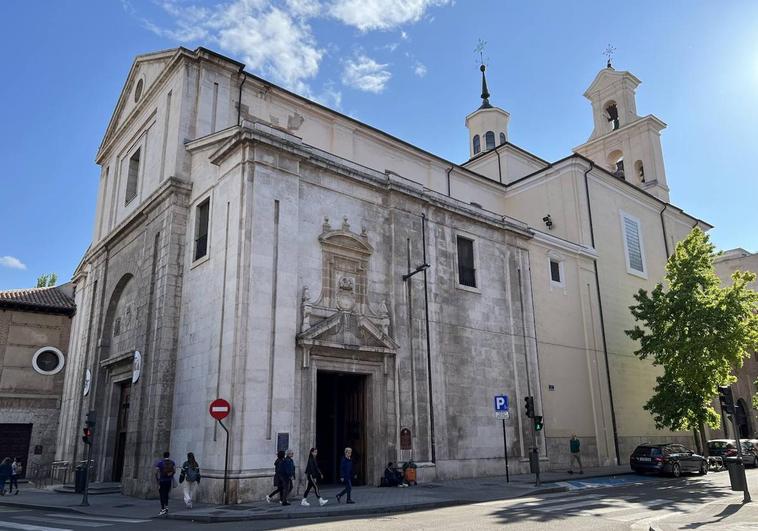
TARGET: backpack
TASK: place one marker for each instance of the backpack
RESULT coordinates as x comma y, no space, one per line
168,470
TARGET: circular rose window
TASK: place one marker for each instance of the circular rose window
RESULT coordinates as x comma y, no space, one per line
138,91
48,360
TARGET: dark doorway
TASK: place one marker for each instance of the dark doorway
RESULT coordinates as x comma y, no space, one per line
341,422
14,442
122,427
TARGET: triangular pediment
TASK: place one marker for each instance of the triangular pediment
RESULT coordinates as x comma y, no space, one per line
608,77
351,331
146,69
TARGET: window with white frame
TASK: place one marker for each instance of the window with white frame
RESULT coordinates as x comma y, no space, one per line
633,245
466,262
556,272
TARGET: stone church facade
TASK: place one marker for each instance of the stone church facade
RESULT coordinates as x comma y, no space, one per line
341,287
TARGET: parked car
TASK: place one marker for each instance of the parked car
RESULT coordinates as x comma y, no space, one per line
672,458
727,449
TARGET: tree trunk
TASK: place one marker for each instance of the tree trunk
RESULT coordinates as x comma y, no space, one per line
698,445
705,440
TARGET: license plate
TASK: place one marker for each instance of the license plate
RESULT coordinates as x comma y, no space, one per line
643,459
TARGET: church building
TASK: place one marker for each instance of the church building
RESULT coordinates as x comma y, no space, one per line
342,287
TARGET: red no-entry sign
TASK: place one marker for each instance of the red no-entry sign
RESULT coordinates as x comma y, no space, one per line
219,409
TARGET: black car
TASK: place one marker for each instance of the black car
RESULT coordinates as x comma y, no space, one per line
672,459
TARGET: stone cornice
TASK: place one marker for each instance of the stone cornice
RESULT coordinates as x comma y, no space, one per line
257,132
170,186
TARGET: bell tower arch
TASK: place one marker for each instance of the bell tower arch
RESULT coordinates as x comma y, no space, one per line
622,142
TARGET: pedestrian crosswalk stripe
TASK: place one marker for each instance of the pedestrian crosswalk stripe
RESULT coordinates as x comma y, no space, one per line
529,503
623,507
100,518
55,520
584,501
29,527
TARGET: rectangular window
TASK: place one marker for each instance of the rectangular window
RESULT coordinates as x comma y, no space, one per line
466,270
635,256
202,211
555,271
132,176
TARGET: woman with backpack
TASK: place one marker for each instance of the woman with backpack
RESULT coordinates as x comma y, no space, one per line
190,479
313,473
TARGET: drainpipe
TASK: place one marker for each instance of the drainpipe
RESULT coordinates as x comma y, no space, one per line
665,236
602,320
499,168
449,191
239,99
428,345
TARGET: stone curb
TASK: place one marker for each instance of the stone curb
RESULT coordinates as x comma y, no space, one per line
353,511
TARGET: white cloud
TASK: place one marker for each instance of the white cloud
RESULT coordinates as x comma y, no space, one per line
363,73
277,42
419,69
12,262
369,15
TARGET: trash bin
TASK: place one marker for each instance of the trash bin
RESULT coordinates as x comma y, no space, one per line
80,478
534,461
736,475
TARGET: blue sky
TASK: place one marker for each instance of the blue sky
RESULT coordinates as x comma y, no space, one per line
406,67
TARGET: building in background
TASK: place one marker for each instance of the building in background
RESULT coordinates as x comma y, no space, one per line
35,326
341,287
744,388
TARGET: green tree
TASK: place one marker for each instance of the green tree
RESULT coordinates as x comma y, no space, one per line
697,331
47,281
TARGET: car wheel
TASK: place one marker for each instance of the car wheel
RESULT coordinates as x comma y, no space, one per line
676,471
703,468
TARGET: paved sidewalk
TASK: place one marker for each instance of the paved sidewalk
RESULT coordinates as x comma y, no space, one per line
369,500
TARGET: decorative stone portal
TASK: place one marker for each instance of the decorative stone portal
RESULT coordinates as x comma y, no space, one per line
349,355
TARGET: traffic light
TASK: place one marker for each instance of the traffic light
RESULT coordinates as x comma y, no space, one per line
89,423
726,399
87,437
529,406
538,424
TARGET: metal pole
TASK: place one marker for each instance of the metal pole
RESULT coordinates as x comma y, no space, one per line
85,501
505,448
740,462
428,345
226,465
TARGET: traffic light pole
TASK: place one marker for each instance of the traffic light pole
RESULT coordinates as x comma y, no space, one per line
740,462
90,423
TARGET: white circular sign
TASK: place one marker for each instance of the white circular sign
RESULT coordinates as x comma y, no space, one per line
136,366
87,381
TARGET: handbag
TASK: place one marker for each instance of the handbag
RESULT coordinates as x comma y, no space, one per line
181,477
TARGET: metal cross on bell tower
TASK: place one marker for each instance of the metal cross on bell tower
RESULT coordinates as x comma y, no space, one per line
480,47
609,52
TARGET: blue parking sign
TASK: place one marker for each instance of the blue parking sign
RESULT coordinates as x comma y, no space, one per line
501,403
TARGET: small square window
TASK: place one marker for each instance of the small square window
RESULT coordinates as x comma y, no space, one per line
555,271
202,213
466,268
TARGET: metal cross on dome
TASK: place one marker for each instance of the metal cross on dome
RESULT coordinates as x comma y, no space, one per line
608,52
480,47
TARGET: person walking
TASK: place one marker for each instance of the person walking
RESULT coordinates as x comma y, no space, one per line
16,469
575,447
165,470
190,479
5,474
313,474
346,475
289,473
278,475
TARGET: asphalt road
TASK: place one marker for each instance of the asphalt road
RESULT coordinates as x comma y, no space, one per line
597,504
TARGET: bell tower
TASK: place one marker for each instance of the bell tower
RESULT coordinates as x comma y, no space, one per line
622,142
488,125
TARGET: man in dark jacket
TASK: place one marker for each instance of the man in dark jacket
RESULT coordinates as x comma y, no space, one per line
288,473
346,475
278,474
